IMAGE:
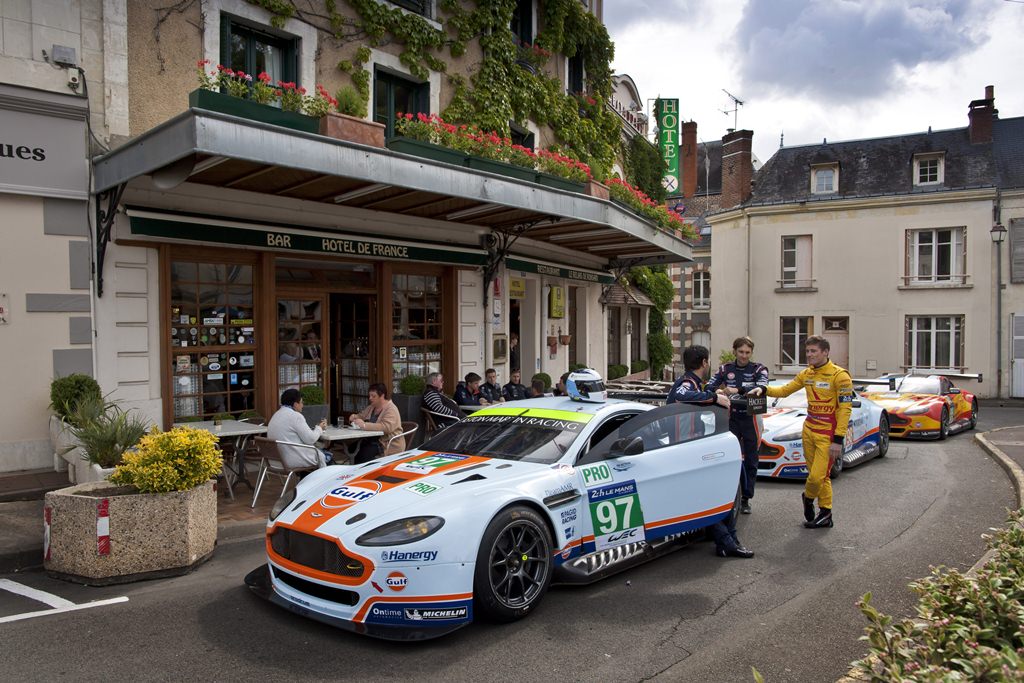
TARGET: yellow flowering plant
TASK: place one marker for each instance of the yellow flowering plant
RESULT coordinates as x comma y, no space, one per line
177,460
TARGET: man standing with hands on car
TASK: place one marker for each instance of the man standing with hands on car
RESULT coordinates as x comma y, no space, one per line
829,402
742,377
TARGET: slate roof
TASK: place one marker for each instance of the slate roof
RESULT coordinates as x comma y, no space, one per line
884,166
617,295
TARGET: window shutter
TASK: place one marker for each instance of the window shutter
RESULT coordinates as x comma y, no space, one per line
908,248
1017,250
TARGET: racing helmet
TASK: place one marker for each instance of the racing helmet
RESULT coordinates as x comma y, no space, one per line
586,385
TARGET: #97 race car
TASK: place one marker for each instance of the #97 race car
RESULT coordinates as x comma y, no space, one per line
782,453
485,515
924,406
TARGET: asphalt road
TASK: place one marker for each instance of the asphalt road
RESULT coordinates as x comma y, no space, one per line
689,616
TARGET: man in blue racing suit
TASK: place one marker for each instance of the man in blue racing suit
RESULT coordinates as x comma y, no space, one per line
740,378
690,389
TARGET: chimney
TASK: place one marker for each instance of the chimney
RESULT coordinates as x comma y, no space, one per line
737,167
980,113
689,169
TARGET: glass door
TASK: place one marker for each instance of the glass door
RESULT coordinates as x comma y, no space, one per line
352,351
300,353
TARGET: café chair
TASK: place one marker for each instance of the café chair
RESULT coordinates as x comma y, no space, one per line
408,428
272,461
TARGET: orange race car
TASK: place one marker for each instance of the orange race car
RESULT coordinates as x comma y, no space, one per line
924,407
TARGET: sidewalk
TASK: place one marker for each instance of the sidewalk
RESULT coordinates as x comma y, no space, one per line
21,515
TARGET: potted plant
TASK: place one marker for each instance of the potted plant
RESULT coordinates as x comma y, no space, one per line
314,405
544,377
104,432
157,516
65,395
348,123
408,400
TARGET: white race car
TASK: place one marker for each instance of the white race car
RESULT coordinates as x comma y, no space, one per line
782,453
486,514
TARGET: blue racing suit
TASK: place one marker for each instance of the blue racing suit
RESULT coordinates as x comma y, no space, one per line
747,428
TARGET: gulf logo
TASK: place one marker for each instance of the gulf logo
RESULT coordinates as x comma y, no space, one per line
350,494
396,581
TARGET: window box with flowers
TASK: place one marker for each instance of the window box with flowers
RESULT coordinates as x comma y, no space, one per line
239,94
347,123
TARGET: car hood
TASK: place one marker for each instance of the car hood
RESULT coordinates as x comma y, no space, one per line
895,401
344,499
782,420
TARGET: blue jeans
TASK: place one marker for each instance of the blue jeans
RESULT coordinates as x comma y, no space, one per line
328,456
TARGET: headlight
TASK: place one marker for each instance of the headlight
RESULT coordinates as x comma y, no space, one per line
916,410
792,435
287,496
401,531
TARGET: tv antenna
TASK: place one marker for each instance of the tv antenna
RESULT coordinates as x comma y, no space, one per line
736,104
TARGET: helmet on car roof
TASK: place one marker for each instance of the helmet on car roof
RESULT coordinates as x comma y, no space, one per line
586,385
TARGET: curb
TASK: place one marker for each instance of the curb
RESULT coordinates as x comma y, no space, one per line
1016,476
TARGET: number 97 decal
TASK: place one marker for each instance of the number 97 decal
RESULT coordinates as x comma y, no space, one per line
616,515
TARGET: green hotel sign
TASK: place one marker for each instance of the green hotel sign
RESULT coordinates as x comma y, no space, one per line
667,112
558,271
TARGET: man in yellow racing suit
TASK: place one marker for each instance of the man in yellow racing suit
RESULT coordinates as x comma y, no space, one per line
829,401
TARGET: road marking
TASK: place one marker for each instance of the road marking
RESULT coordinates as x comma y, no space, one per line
57,603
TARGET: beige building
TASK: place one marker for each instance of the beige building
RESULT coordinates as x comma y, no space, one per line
221,257
885,247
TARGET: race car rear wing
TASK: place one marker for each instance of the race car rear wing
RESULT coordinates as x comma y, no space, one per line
892,380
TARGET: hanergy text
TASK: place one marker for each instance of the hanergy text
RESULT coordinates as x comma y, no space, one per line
408,556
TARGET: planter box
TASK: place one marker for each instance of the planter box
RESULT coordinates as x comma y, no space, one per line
151,535
409,408
343,127
427,150
315,413
559,183
596,189
502,168
247,109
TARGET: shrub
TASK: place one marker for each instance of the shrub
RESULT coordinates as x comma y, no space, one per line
544,377
411,385
177,460
105,431
312,395
659,350
639,365
726,356
617,371
350,102
573,367
67,392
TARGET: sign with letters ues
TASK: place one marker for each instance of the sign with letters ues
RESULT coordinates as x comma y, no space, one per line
757,405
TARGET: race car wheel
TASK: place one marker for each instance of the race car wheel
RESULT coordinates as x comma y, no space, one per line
883,435
944,423
513,565
974,415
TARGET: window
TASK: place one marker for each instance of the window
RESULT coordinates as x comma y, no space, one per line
796,261
574,79
255,50
936,256
825,179
393,94
421,7
934,341
793,333
928,169
701,289
300,335
701,338
213,339
522,22
521,136
416,326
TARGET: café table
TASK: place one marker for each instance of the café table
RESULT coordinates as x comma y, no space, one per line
241,432
349,437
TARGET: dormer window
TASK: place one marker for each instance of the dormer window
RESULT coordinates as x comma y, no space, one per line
825,179
928,169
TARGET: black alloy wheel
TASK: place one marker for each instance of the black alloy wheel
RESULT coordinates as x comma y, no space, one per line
944,423
513,566
974,414
883,435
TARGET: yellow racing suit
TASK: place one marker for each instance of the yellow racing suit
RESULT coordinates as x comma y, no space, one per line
829,402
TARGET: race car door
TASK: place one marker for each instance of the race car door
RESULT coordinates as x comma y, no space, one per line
665,471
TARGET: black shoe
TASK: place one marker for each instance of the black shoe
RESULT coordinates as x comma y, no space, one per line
745,507
808,507
822,521
737,551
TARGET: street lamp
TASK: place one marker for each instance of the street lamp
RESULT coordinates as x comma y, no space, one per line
998,234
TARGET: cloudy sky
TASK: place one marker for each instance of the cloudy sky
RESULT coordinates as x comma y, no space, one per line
813,69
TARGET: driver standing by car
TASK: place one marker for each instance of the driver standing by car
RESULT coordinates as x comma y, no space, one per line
829,403
690,389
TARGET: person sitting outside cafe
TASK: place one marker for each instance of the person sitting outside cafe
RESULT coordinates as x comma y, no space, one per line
446,411
560,389
288,424
537,388
468,393
381,415
490,389
514,390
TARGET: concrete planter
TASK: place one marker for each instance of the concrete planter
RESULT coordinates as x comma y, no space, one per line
596,189
344,127
141,536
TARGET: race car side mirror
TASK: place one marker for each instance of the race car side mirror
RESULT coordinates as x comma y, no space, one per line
627,446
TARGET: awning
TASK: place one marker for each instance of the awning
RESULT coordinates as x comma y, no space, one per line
233,153
617,295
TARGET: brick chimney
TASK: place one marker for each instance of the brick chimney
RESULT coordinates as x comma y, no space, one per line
980,113
689,169
737,167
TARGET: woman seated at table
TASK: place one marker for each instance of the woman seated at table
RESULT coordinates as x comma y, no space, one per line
381,415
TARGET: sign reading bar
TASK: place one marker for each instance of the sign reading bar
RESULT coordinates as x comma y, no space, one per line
558,271
668,141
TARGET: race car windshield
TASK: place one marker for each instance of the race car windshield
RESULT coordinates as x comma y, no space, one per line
508,437
919,385
794,400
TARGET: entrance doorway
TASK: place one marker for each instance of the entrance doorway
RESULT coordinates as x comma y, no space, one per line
837,332
515,336
352,351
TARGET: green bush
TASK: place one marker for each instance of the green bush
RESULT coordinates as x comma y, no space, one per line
223,416
639,365
350,102
105,431
573,367
617,371
411,385
967,628
726,356
177,460
312,395
67,392
544,377
659,348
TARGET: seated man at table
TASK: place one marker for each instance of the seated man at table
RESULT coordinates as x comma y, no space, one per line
468,393
514,390
381,415
288,424
537,388
446,411
490,389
